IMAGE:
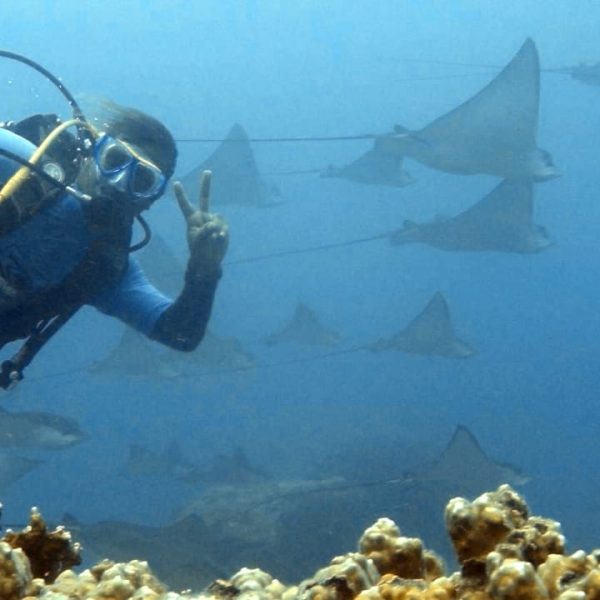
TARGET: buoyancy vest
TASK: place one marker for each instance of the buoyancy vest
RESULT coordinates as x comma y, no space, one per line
21,139
102,266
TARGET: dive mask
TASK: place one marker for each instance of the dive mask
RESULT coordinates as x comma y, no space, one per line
127,171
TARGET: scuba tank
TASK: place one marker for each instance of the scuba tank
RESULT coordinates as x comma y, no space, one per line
33,192
16,144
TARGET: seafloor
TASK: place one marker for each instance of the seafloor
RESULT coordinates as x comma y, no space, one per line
503,553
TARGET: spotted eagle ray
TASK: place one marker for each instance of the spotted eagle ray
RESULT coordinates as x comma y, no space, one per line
170,463
502,222
234,468
430,332
222,353
265,515
465,469
493,132
304,328
136,355
373,168
235,176
182,554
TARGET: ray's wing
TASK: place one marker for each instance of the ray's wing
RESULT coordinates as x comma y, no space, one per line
225,353
374,168
508,205
304,327
235,178
432,325
467,469
429,333
504,113
134,355
501,221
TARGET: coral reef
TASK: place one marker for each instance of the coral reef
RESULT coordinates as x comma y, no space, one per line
504,554
15,574
109,581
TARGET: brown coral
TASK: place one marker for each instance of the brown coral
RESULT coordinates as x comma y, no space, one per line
344,578
392,587
49,552
537,539
475,528
515,580
559,572
393,553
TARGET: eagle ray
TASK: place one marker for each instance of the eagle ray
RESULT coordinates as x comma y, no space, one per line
502,221
235,175
430,333
493,132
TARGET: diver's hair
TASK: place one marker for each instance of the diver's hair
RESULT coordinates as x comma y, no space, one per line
143,131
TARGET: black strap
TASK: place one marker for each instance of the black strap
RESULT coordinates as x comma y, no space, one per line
12,370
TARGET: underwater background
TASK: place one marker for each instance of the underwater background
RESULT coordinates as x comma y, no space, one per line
294,69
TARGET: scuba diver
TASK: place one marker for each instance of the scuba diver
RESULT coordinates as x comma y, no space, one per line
68,203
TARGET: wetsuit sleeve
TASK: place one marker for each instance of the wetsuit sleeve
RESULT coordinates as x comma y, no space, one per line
134,300
183,324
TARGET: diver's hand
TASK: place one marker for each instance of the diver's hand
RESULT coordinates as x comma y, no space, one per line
207,233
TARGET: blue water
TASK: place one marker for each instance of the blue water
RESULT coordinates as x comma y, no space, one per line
336,68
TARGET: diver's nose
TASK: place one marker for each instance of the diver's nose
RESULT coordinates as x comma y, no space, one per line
118,181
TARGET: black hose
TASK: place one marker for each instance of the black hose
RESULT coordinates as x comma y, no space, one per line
84,134
147,234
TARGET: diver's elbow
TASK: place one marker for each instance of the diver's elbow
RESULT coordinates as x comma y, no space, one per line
183,344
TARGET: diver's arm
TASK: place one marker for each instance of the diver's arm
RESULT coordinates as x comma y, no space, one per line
183,324
179,324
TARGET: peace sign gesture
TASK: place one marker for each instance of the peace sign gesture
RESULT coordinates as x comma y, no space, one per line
207,233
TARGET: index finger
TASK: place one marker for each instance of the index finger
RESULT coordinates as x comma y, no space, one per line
184,204
205,190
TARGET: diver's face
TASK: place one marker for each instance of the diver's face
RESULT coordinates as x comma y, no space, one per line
118,169
91,182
